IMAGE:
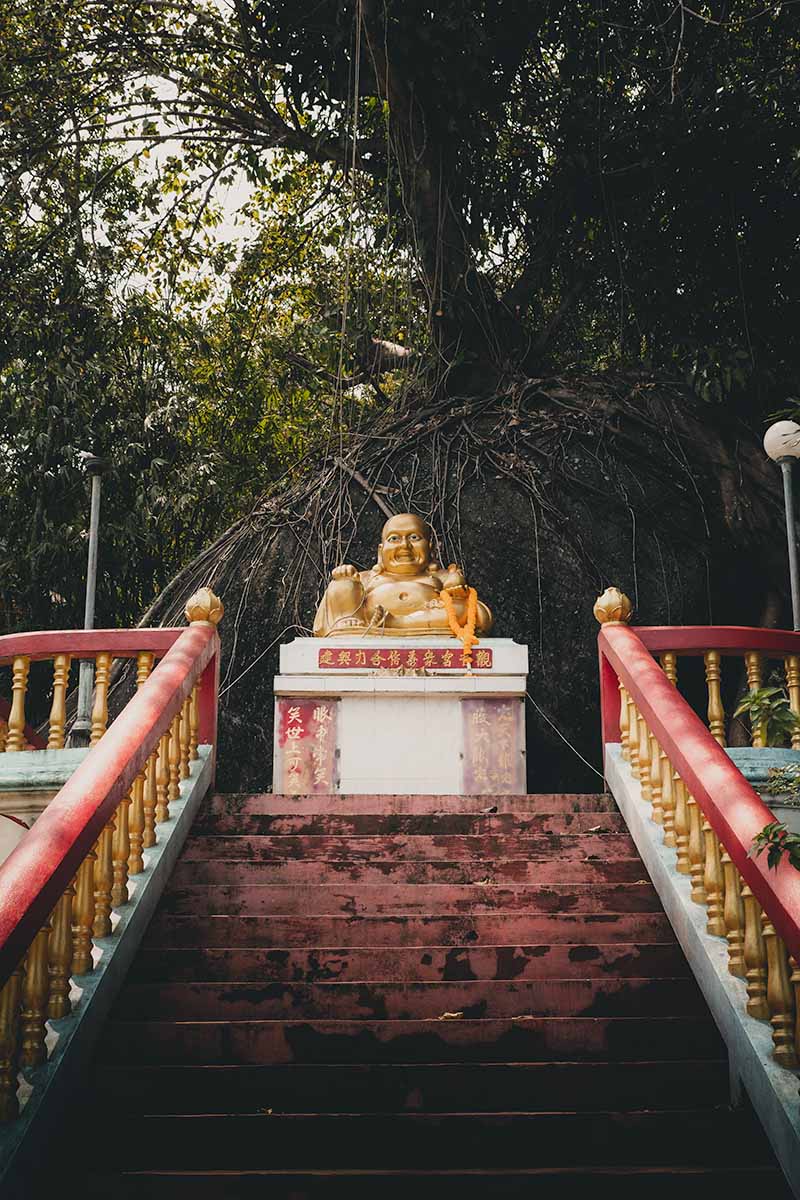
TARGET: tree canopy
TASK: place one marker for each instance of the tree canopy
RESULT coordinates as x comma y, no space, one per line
233,233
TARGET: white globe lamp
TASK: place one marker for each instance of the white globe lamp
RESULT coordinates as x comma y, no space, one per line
782,444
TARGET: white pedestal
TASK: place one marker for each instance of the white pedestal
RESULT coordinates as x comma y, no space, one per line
358,723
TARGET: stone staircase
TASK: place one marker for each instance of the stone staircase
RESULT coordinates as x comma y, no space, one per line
361,996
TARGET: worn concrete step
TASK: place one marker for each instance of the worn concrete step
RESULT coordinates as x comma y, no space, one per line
545,1183
386,870
447,846
536,1039
718,1137
479,929
402,1087
407,824
544,802
411,964
437,899
473,999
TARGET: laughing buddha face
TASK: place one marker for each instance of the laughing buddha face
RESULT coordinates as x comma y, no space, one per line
405,547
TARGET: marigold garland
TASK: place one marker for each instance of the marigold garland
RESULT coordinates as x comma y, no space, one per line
466,632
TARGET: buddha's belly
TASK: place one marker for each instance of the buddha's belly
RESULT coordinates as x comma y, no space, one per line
402,597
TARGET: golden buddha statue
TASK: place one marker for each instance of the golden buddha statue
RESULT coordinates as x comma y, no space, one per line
401,595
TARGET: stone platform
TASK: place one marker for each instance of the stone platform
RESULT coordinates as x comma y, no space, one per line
382,715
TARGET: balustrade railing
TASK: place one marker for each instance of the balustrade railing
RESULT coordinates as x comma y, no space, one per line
708,811
61,884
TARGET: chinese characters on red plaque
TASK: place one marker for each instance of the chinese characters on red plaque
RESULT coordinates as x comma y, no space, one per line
494,762
306,738
407,660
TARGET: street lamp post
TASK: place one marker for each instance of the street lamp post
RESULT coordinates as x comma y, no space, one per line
782,444
81,729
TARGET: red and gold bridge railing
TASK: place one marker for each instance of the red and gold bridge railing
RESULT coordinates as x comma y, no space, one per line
62,882
707,810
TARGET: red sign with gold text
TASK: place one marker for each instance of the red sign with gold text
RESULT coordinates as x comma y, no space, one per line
306,746
438,659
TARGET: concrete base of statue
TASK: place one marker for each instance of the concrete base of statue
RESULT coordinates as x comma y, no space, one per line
382,715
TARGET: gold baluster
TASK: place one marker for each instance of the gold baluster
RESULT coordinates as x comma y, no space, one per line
136,824
194,722
657,813
681,825
10,1013
3,735
792,665
58,710
149,837
668,800
15,736
83,916
60,967
713,883
780,997
102,671
697,850
633,736
35,991
103,882
669,665
138,815
624,721
644,760
794,982
752,661
734,916
120,853
162,779
174,759
755,957
185,738
716,713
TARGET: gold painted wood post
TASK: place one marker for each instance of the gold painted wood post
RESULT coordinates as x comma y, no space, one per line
58,710
136,824
149,836
633,736
194,722
60,968
35,992
120,852
103,882
10,1017
780,997
162,779
83,916
755,957
657,812
792,666
644,759
734,916
697,851
668,800
713,883
794,981
682,864
752,662
102,672
624,722
15,735
174,759
716,713
185,737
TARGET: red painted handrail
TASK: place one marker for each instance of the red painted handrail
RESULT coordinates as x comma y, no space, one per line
727,639
38,870
122,643
730,805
